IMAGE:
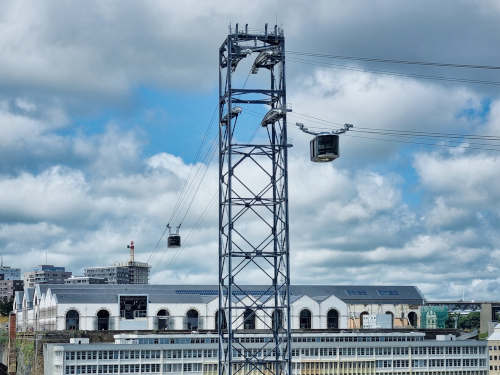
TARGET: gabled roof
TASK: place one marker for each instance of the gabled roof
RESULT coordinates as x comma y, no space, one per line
28,293
18,298
105,293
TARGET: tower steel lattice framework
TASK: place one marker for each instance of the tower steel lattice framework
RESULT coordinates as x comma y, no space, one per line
253,207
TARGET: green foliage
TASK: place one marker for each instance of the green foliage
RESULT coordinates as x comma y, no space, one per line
470,321
467,322
4,337
28,350
483,336
5,307
450,322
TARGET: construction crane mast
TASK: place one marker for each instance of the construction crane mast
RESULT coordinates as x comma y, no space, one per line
253,207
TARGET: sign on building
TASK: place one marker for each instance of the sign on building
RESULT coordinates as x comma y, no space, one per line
373,321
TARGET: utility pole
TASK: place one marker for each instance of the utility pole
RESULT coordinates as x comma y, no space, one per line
253,207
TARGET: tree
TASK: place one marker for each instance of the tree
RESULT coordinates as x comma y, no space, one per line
6,306
470,321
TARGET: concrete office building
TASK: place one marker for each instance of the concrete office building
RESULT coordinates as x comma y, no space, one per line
124,273
131,272
194,307
85,280
313,353
117,274
45,274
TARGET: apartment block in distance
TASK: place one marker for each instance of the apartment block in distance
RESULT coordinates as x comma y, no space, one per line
8,273
45,274
9,287
131,272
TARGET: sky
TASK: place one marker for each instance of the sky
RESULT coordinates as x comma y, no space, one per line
105,119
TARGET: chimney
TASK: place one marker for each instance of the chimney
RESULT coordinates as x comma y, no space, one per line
12,356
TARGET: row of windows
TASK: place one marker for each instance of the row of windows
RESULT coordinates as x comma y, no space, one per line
404,363
330,365
253,339
198,367
198,340
357,338
192,321
431,350
132,368
304,352
114,369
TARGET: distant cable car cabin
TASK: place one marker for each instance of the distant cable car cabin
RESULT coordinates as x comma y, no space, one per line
174,238
324,147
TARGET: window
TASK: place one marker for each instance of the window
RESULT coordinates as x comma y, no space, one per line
387,292
163,318
356,292
249,319
361,318
72,320
102,320
305,319
277,319
391,317
412,319
224,321
192,320
332,319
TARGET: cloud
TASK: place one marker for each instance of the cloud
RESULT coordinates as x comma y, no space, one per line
373,102
464,179
383,213
97,50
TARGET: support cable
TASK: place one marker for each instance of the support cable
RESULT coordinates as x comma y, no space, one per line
194,171
396,74
395,61
391,135
188,182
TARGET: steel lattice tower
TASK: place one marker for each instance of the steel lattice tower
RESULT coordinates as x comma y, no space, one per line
253,208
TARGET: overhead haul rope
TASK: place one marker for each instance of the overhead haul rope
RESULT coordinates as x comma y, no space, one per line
453,140
394,61
396,74
197,164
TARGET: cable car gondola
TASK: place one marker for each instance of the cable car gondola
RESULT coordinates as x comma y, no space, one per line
324,147
174,238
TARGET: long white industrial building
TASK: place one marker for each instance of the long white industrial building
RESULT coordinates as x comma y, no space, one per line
313,353
194,307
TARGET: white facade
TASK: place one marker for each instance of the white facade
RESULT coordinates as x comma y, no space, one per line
170,307
312,353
